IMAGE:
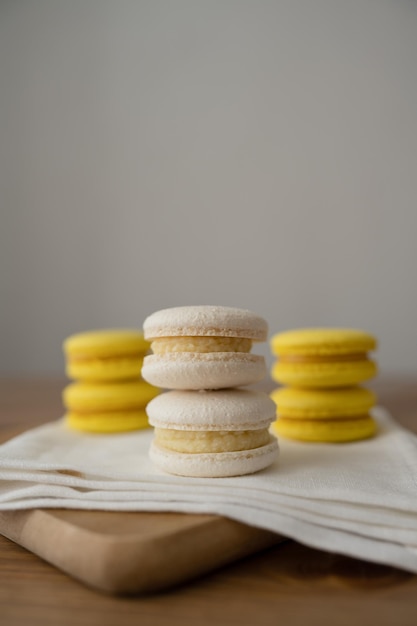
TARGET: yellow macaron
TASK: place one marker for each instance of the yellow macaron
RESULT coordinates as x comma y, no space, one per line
323,357
105,355
326,415
108,407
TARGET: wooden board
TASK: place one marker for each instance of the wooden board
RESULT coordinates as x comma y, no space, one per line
133,552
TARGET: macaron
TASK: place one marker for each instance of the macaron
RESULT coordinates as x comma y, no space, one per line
203,347
212,433
323,357
108,407
326,415
105,355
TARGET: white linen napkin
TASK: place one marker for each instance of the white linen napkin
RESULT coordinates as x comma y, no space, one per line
357,499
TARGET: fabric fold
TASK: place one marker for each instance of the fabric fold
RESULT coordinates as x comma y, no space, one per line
357,499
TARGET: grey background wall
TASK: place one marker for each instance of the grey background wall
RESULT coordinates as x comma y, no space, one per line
260,154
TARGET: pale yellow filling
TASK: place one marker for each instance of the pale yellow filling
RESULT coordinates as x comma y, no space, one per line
163,345
192,442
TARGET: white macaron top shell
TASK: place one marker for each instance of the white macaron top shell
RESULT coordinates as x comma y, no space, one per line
228,409
205,321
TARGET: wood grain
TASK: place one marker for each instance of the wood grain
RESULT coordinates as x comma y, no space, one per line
289,582
133,552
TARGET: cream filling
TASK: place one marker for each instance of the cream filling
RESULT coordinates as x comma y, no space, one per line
163,345
192,442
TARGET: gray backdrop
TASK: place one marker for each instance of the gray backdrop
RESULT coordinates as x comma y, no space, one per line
252,153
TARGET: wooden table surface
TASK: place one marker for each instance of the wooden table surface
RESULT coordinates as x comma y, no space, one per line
288,584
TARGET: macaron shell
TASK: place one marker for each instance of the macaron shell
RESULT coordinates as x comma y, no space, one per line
325,431
216,464
227,409
192,370
106,342
325,341
311,375
107,422
205,320
108,396
323,403
96,369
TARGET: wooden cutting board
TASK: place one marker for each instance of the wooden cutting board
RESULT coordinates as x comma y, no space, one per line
133,552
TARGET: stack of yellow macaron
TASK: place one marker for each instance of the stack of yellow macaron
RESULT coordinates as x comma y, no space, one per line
321,369
109,394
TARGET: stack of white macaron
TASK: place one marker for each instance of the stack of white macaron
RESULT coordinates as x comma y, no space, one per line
206,426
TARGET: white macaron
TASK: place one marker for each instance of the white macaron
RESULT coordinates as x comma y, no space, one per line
212,433
203,347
